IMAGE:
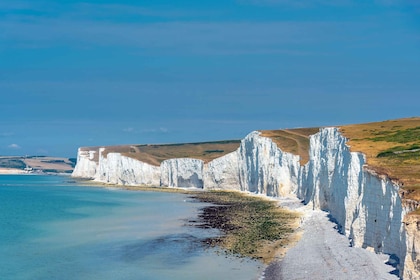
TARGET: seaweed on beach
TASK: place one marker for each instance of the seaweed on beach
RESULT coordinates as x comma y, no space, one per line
252,226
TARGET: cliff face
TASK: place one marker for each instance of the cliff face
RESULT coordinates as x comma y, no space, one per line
412,259
258,166
223,173
86,165
182,173
265,169
122,170
367,207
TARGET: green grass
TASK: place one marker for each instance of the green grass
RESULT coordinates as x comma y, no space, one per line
41,163
400,136
403,152
12,163
403,158
391,149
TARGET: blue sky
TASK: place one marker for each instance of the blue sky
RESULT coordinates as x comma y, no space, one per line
84,73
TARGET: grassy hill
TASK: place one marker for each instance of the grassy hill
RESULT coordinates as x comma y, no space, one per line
38,163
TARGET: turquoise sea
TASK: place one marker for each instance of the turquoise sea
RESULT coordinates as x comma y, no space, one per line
54,228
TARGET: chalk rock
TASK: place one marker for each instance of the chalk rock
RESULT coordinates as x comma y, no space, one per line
365,205
182,173
222,173
265,169
412,259
86,165
118,169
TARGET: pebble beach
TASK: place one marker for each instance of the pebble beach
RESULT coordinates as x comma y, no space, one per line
323,253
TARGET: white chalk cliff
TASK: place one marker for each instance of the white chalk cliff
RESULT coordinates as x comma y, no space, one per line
121,170
86,164
182,173
366,206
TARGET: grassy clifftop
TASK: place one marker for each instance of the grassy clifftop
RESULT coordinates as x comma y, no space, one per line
155,154
295,141
391,148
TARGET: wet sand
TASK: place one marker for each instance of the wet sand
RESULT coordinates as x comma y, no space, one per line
323,253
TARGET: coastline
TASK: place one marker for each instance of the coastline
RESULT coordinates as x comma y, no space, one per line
315,249
12,171
80,232
222,208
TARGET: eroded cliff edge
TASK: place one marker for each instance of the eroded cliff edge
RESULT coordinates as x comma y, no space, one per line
367,206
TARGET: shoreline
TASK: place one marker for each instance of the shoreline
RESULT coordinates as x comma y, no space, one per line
229,212
99,233
315,249
12,171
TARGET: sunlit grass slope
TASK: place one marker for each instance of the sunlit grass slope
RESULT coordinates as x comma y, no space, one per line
295,141
392,148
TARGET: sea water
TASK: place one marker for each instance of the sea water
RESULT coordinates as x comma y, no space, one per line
55,228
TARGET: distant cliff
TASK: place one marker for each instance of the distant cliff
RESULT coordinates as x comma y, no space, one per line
366,206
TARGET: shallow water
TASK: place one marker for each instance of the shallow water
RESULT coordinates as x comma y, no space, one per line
52,228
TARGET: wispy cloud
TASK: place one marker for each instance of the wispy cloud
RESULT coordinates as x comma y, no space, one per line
177,37
100,11
331,3
86,25
299,3
113,10
155,130
146,130
128,129
14,146
15,5
6,134
42,151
